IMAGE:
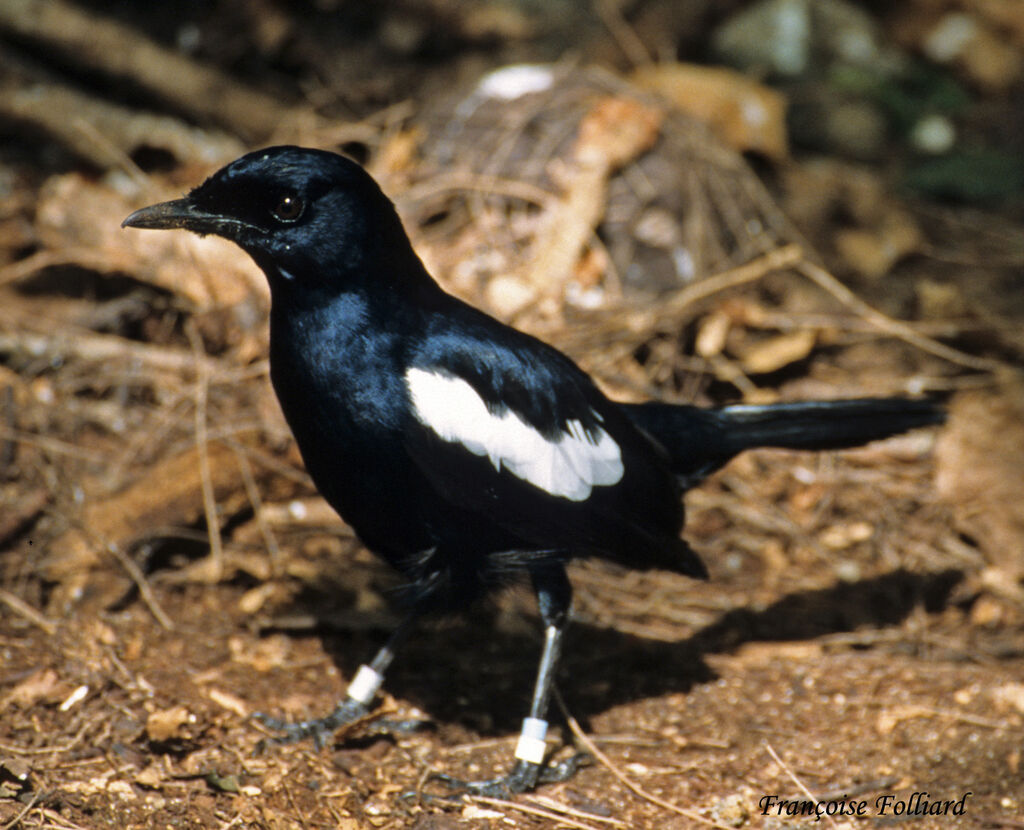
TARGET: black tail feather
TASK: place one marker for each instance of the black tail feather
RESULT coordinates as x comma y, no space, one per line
699,441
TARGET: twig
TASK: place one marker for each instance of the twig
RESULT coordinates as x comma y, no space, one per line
226,824
822,278
120,51
474,746
291,800
139,578
19,606
8,447
558,807
84,257
622,33
117,155
50,445
458,180
533,811
57,821
24,812
591,747
253,492
100,347
45,105
800,784
788,256
792,256
76,739
202,445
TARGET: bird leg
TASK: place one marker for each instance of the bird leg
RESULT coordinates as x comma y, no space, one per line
554,595
356,704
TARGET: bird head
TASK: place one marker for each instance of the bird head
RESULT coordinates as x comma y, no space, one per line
310,219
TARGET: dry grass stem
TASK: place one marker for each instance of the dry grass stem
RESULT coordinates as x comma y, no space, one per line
23,609
635,788
800,784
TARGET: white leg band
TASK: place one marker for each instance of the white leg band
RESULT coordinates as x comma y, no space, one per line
531,746
365,685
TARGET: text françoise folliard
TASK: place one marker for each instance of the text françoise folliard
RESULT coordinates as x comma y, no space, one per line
916,804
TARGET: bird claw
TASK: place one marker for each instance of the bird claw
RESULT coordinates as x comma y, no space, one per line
524,777
321,730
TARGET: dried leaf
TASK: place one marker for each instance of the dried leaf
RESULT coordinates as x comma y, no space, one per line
151,777
1009,696
873,253
745,114
263,655
614,132
842,536
40,685
779,352
168,723
231,702
222,783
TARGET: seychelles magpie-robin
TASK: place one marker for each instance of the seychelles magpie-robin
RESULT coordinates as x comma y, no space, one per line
464,452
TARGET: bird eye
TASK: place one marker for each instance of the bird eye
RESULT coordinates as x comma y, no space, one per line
289,208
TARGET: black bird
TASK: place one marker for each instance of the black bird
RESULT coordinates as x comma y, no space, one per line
462,451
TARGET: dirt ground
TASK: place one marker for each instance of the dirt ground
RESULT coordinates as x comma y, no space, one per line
887,682
167,569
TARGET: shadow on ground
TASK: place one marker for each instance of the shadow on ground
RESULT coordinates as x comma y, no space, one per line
479,673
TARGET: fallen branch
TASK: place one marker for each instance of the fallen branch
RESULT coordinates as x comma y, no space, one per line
110,47
103,348
45,106
170,493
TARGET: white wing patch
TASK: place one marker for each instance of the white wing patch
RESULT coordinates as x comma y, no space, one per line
570,466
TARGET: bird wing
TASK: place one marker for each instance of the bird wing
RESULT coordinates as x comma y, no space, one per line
566,459
515,431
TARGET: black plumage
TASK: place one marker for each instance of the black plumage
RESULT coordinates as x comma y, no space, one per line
461,450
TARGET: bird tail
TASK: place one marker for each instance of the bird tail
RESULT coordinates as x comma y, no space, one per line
699,441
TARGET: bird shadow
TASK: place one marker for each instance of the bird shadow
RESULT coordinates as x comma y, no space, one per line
479,673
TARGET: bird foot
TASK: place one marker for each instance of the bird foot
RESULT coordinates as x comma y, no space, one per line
524,777
321,730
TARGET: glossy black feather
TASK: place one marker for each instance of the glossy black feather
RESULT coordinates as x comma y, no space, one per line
353,311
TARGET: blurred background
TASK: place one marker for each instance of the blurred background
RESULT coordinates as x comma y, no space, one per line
700,201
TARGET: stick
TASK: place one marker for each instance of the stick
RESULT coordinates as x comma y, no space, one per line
253,492
203,444
145,591
797,781
110,47
106,347
45,106
19,606
822,278
605,761
533,811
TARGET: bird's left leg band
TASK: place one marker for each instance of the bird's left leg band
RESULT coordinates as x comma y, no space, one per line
531,746
365,685
370,677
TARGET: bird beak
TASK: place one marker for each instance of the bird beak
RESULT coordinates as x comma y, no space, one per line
179,213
